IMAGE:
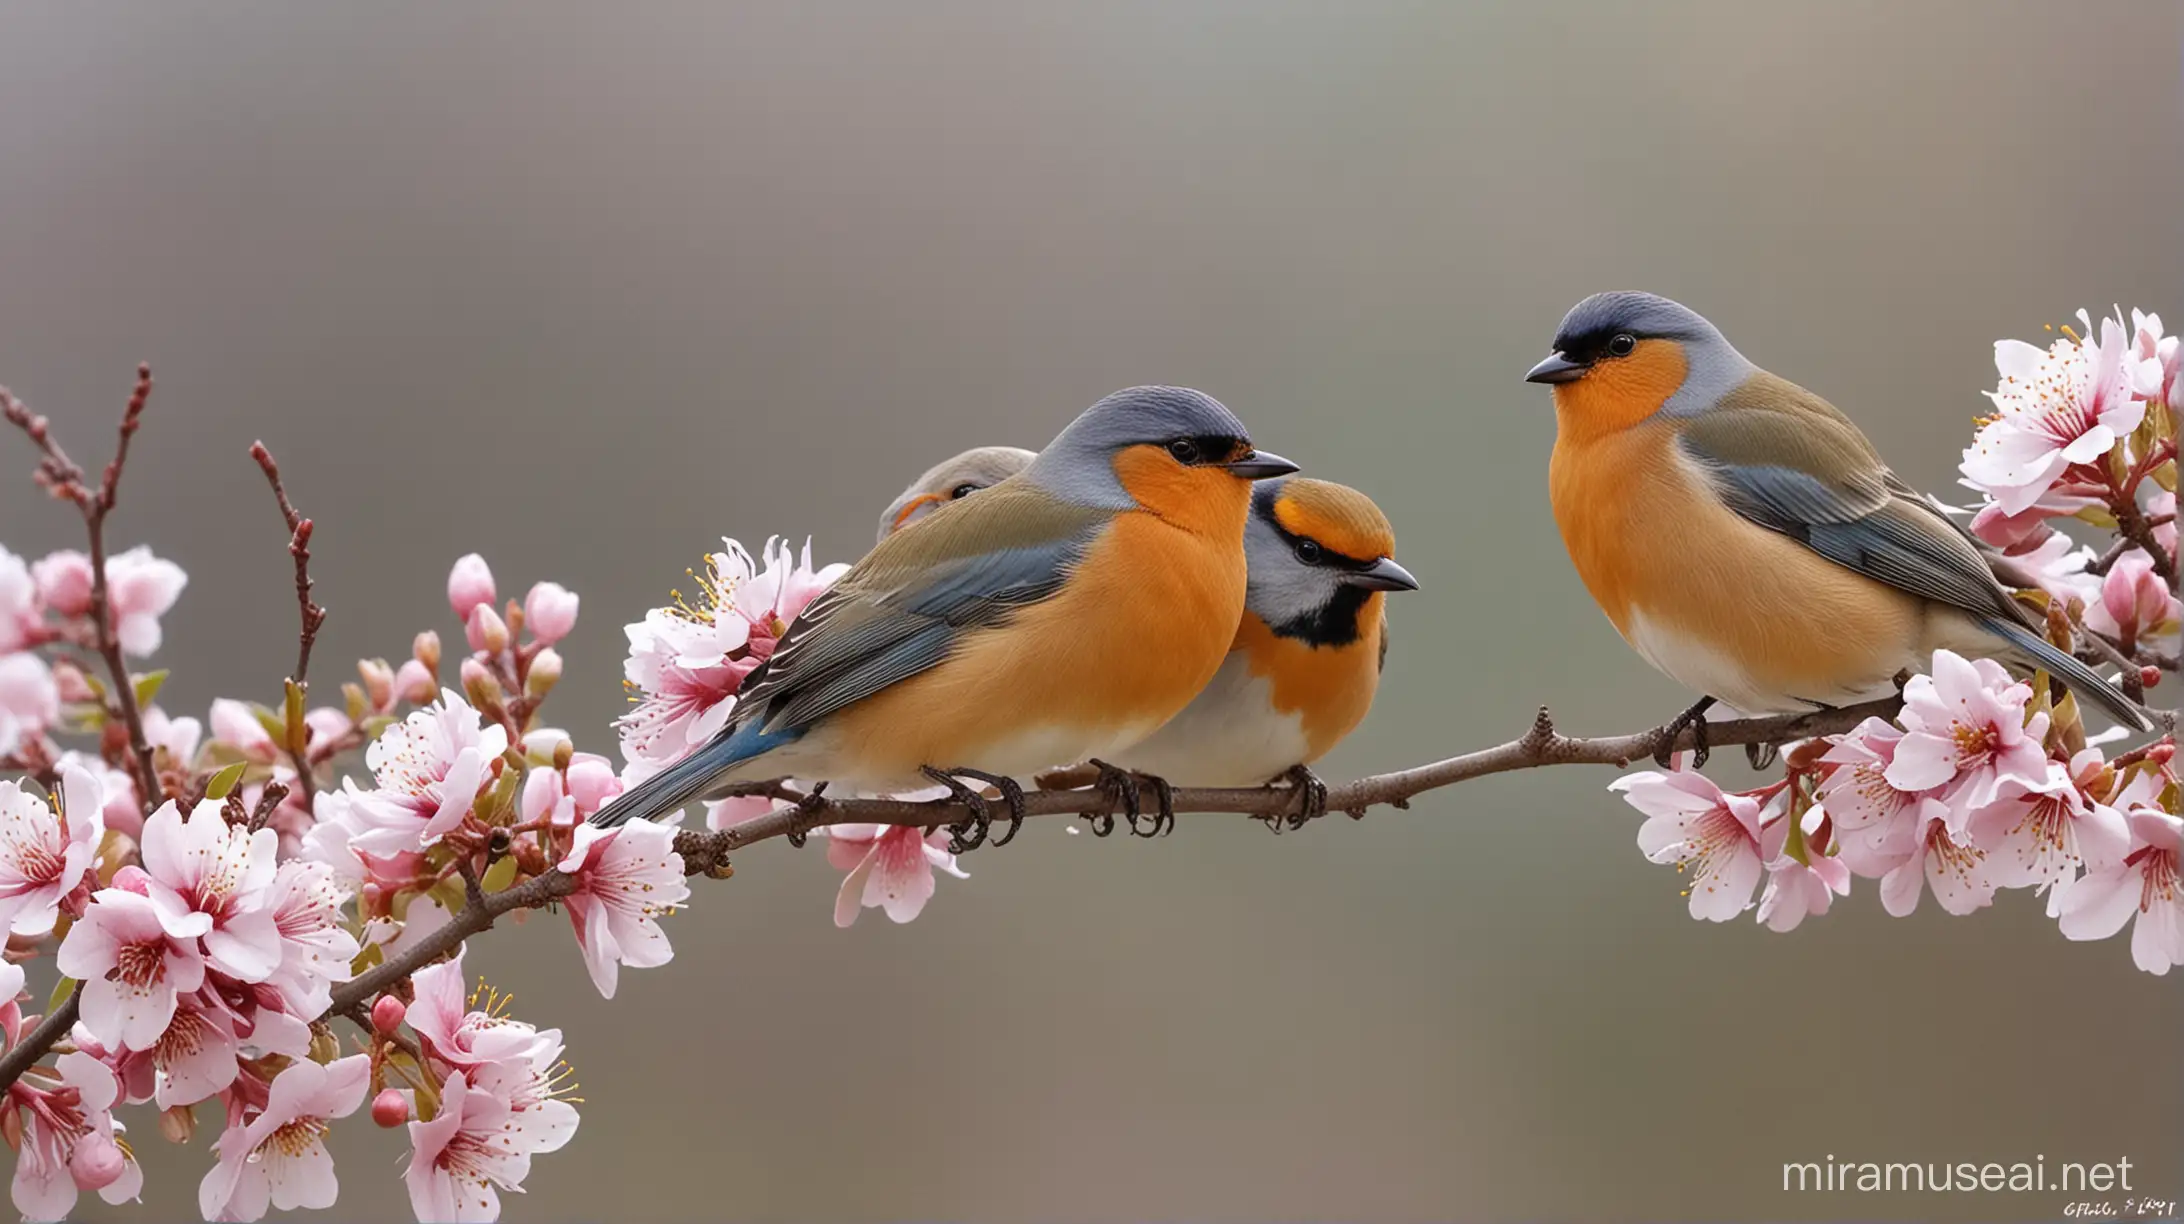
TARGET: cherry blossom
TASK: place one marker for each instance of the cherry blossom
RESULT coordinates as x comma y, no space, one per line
141,588
686,662
462,1158
131,966
43,854
69,1142
2148,883
2065,405
206,868
429,767
30,701
1713,834
1798,889
235,726
2039,835
178,737
627,878
64,579
19,600
305,901
279,1158
890,868
193,1059
11,992
1875,823
460,1036
1943,857
1965,728
572,796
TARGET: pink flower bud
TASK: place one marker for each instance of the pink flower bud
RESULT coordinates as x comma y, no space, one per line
485,630
550,611
414,683
64,582
389,1109
70,680
133,879
425,649
387,1015
479,685
2011,530
544,674
2133,595
378,680
96,1162
592,782
469,584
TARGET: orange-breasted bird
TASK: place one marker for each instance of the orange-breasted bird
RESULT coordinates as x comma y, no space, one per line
1063,614
1747,539
978,468
1308,653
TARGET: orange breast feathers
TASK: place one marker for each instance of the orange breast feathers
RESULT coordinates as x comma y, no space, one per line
1650,539
1328,689
1142,624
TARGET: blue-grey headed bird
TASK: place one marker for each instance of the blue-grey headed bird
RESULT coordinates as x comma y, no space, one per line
1747,539
981,467
1061,615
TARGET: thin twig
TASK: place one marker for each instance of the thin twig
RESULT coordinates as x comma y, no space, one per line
299,547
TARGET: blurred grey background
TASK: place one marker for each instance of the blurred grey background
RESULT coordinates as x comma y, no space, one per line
586,288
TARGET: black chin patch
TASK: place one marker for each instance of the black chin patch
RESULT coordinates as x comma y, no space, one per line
1334,624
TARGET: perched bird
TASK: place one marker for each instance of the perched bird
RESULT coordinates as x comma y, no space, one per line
1746,538
1308,652
1061,615
979,468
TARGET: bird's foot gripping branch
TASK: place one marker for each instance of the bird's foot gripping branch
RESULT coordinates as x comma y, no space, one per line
258,922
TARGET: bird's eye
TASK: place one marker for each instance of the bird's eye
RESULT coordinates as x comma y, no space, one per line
962,491
1308,551
1623,344
1184,450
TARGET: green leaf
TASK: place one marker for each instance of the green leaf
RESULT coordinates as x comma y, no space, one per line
271,722
148,685
500,875
294,734
218,786
61,990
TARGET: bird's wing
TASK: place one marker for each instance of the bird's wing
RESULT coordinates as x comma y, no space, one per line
1785,459
902,609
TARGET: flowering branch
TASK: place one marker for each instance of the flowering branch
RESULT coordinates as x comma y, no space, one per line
64,479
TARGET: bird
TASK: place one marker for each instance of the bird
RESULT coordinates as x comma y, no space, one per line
1308,653
1061,615
1747,539
978,468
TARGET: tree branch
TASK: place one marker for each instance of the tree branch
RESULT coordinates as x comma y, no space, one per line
25,1053
705,852
299,547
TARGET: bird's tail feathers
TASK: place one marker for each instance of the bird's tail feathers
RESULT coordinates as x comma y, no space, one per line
692,777
2082,680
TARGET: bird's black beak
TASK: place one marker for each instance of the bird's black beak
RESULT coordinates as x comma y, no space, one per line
1556,369
1382,575
1259,464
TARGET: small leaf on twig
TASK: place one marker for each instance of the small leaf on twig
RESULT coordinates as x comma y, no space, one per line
148,686
218,786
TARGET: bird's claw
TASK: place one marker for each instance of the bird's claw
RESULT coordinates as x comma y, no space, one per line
1124,789
969,833
1311,798
1762,756
811,803
1664,743
1012,799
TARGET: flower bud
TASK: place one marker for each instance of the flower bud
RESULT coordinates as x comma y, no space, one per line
378,682
387,1015
415,683
541,794
71,683
133,879
426,650
564,753
469,584
545,672
325,1047
479,685
2134,596
485,630
592,782
63,581
550,610
178,1123
96,1162
390,1109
